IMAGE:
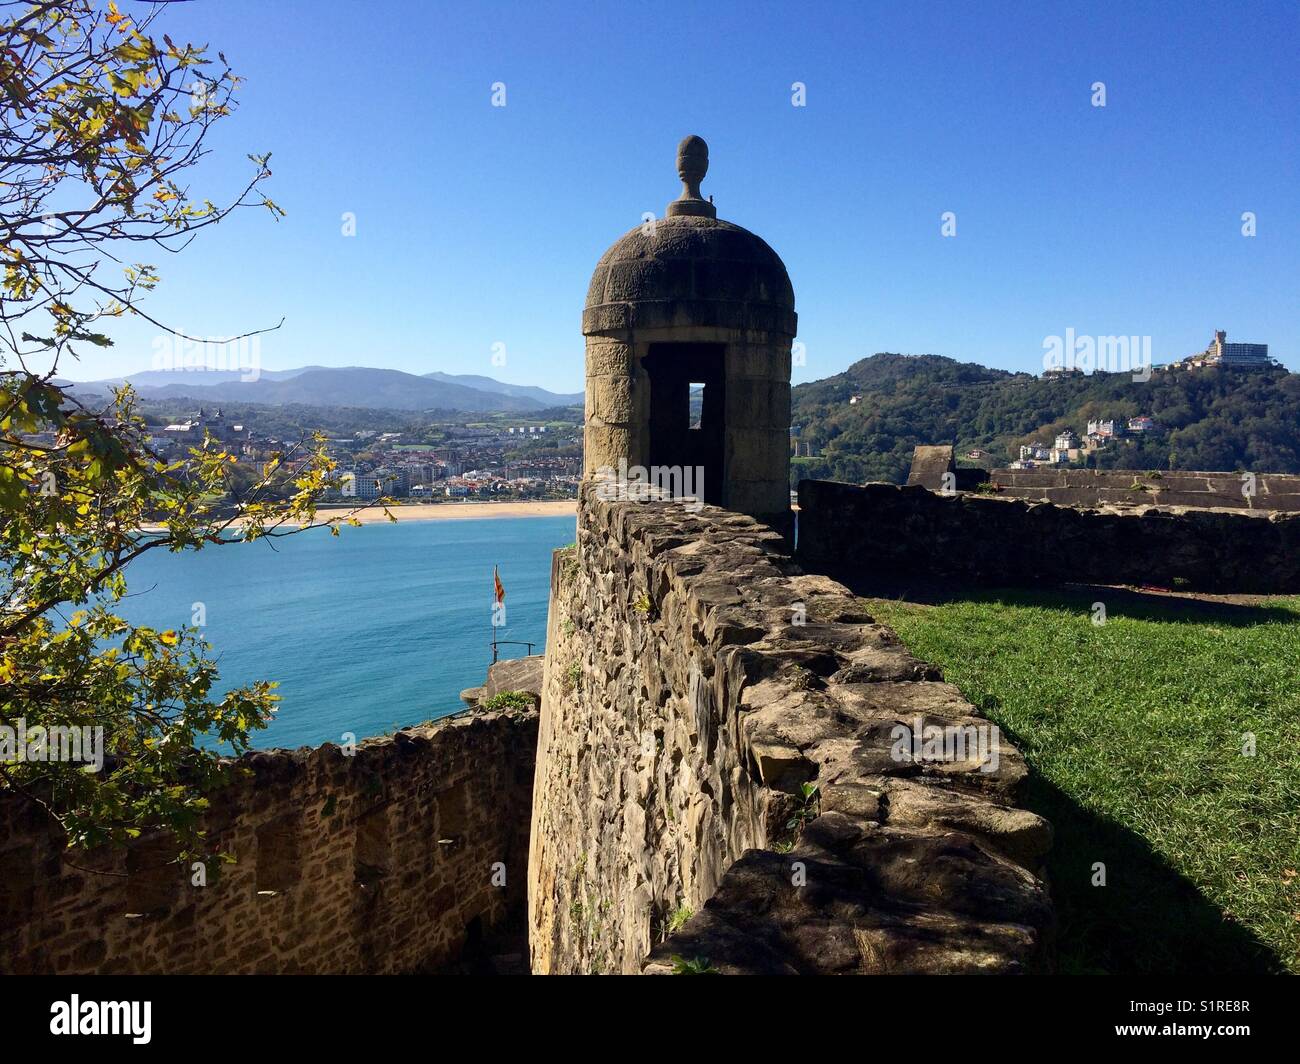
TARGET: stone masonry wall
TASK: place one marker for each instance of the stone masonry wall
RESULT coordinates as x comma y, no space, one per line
696,680
373,863
983,538
1119,487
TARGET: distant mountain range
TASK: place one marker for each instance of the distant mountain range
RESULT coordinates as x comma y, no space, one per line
354,386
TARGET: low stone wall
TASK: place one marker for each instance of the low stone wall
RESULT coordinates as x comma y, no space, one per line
378,862
894,530
695,682
514,675
1124,487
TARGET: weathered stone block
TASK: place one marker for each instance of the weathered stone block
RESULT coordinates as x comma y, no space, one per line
610,399
608,358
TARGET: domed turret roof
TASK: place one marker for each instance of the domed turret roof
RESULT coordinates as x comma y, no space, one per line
689,269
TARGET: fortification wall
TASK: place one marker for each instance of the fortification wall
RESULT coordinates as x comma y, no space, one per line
377,862
984,538
695,679
1126,487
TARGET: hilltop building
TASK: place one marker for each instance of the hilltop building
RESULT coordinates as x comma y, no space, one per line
1235,355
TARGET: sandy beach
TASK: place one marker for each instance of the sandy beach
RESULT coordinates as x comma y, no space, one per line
439,511
455,511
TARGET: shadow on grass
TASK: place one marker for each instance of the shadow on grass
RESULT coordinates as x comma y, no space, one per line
1170,607
1148,918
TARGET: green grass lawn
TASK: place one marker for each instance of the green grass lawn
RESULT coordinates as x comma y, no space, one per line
1134,732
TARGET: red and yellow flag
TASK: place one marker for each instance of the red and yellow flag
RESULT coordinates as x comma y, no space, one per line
500,590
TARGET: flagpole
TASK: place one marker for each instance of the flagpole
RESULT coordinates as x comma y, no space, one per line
498,597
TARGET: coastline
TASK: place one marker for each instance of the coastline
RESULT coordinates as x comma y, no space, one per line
443,511
456,511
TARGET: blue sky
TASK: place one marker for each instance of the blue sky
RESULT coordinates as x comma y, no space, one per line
479,225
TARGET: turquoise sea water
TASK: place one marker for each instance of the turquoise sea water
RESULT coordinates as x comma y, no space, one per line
380,627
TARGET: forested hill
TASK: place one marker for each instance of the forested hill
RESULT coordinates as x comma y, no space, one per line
1206,418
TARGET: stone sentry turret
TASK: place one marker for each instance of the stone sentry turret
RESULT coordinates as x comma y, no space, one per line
684,302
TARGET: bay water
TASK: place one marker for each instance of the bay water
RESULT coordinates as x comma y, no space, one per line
380,627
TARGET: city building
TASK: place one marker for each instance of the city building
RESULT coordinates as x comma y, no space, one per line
191,431
450,460
373,485
1067,448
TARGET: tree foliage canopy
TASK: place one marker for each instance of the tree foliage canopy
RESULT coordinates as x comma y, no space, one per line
101,117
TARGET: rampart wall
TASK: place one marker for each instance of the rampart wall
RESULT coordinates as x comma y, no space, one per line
984,538
719,775
1175,488
393,859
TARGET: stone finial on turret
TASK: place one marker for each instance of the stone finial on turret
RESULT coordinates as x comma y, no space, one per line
692,165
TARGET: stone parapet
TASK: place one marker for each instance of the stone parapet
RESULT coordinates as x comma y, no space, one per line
720,776
1126,488
380,862
888,530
